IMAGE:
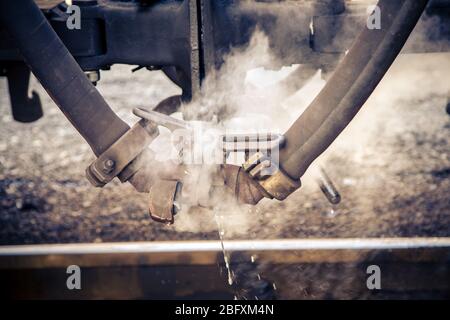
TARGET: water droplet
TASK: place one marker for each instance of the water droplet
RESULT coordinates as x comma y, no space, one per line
332,213
225,254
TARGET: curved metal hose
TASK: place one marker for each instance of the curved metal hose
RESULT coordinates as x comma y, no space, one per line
354,80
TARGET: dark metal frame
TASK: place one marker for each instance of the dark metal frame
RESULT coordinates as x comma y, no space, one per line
186,38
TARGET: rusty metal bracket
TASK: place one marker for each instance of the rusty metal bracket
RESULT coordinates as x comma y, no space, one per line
123,158
261,162
117,157
162,203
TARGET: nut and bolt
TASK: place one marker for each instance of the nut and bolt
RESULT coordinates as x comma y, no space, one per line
108,166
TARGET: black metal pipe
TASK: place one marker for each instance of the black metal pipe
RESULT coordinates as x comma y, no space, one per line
350,86
60,74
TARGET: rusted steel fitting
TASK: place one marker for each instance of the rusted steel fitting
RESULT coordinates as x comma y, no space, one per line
270,176
260,176
163,200
241,185
279,185
249,190
166,197
121,153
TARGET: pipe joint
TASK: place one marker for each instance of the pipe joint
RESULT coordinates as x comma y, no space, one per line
274,182
279,185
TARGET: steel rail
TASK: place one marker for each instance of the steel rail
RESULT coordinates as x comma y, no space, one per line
231,245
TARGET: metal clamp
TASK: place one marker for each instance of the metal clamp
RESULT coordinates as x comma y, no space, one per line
122,158
162,203
270,176
279,185
114,160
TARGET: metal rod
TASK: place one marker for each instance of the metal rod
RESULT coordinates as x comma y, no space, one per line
327,187
231,245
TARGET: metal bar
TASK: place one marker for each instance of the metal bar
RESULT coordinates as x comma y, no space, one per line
231,245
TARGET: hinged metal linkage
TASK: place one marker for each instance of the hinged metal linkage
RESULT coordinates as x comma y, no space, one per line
123,158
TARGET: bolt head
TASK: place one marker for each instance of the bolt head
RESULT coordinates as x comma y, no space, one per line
108,165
